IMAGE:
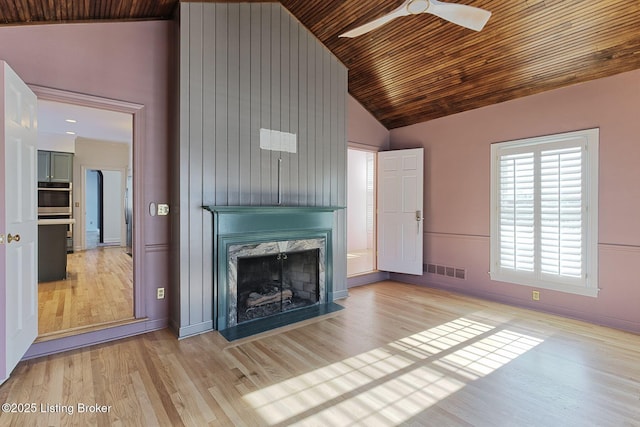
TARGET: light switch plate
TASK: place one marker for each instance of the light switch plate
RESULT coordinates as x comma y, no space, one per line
163,209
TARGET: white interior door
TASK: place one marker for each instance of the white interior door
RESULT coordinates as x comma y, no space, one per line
400,209
18,221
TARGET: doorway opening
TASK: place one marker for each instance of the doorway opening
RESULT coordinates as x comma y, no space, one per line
105,217
98,290
361,208
94,215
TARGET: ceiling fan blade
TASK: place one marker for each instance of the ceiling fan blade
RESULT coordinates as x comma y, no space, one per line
400,11
467,16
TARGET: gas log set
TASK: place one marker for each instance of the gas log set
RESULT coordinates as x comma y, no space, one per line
271,284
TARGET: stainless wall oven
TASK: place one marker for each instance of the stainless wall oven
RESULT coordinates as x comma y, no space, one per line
54,198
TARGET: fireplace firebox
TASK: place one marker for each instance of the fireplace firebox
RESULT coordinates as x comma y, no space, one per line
267,278
271,284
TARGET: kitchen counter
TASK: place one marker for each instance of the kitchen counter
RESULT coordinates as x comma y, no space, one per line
57,221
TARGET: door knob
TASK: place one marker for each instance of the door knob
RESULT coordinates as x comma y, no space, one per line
11,238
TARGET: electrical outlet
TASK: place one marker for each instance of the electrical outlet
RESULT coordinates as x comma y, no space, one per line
160,293
535,295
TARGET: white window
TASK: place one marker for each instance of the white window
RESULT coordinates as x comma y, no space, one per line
544,218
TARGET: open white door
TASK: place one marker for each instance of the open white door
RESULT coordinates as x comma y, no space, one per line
18,221
400,194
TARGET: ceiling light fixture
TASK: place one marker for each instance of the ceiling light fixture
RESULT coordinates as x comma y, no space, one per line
70,132
71,121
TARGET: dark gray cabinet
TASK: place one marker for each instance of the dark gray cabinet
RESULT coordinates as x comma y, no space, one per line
52,252
54,166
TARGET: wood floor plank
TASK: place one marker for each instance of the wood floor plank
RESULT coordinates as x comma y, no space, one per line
98,290
397,355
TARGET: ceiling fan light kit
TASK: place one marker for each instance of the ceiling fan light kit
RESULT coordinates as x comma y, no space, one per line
417,6
466,16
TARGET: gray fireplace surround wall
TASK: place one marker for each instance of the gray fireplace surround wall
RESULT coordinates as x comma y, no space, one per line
259,230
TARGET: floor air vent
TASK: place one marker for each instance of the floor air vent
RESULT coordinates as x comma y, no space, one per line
445,270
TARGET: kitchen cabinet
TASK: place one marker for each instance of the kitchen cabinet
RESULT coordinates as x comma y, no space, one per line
52,252
44,165
54,166
53,238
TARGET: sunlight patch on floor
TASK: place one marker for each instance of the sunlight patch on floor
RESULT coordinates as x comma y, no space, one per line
392,383
485,356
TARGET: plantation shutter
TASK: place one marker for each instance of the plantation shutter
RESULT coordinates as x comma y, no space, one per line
517,212
541,211
561,209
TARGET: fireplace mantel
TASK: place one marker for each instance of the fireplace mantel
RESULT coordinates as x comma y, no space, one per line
247,225
264,217
272,208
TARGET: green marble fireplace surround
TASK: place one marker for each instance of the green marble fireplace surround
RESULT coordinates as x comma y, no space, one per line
264,230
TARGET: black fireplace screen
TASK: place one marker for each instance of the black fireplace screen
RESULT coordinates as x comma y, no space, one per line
271,284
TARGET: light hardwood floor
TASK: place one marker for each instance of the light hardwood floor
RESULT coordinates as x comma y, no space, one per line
397,355
98,290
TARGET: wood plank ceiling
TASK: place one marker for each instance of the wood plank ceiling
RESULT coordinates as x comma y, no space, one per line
418,68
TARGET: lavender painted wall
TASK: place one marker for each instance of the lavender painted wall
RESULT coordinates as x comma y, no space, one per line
457,191
124,61
363,130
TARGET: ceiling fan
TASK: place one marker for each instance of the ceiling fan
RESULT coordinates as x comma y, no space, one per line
466,16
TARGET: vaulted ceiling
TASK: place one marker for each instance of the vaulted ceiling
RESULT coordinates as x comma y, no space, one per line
421,67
